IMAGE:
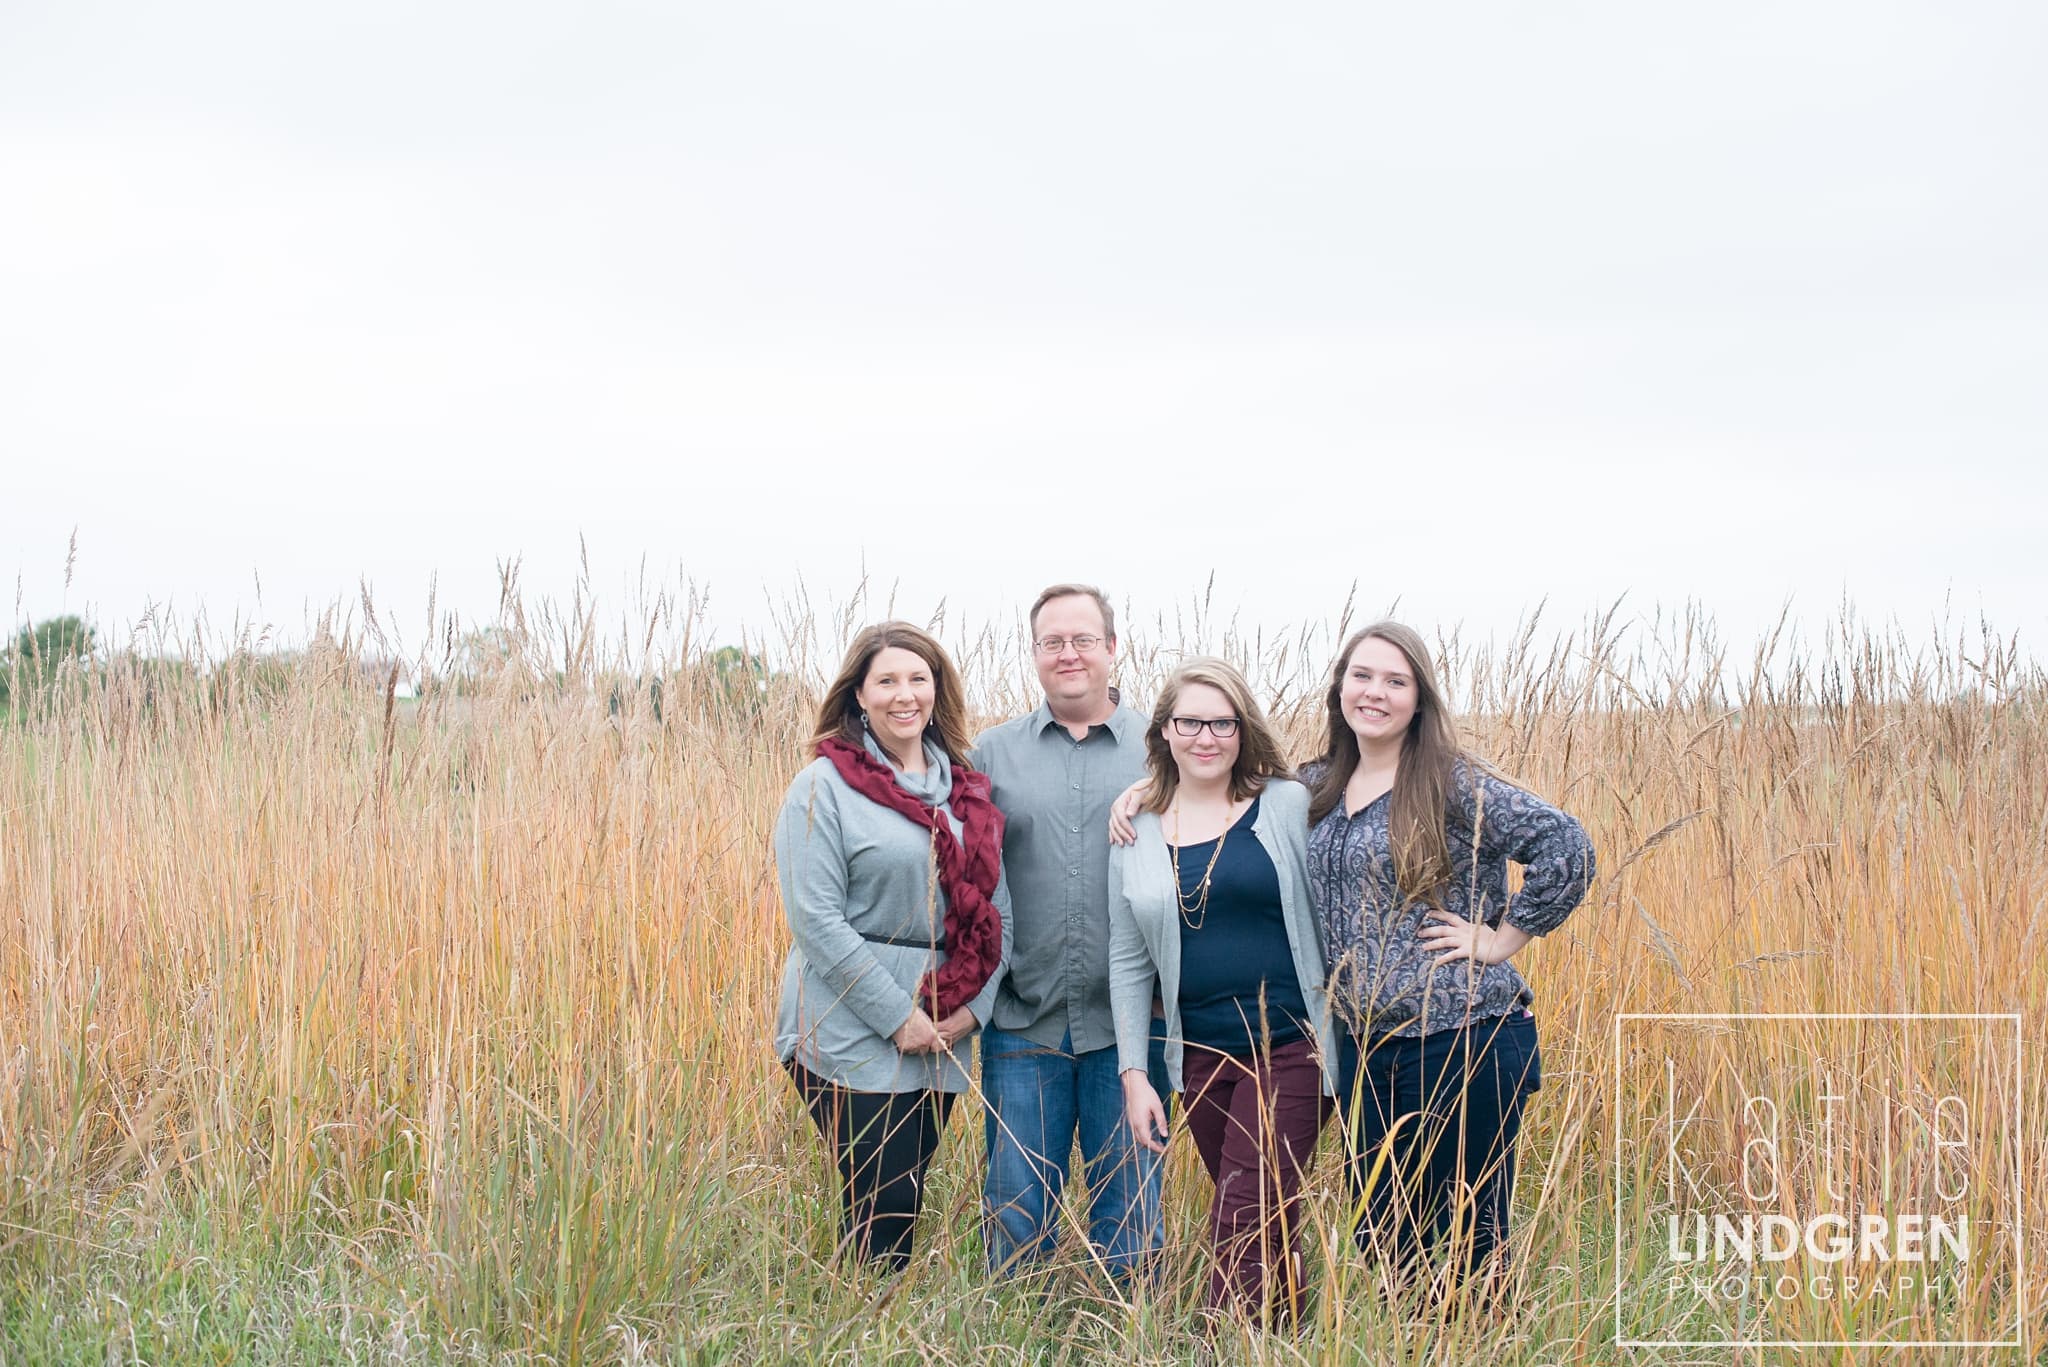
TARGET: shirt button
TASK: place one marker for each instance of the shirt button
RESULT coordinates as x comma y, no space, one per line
1073,873
1075,829
1075,786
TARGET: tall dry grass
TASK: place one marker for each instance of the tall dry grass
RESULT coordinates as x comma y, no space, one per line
339,1025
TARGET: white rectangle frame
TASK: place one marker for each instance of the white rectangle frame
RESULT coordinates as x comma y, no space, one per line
2019,1225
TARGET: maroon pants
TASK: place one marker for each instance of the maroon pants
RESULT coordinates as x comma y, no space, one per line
1255,1121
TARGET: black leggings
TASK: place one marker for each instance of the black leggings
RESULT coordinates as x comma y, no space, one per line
882,1143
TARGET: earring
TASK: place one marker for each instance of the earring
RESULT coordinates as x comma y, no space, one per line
864,720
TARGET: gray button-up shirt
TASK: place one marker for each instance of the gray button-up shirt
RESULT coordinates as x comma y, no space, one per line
1055,792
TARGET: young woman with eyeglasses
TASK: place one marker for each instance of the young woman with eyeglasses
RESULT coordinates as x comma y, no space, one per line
1210,910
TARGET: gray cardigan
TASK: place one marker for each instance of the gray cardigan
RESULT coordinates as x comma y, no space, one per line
1144,929
854,876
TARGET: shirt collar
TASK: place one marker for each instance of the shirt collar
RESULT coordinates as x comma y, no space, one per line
1125,723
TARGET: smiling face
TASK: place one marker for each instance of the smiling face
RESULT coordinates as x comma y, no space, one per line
897,694
1075,681
1202,757
1378,693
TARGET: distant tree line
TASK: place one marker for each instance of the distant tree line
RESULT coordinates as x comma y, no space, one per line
729,680
39,655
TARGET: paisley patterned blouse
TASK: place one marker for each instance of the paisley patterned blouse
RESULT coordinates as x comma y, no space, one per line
1382,981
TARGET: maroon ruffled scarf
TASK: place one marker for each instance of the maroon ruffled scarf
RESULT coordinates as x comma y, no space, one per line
967,873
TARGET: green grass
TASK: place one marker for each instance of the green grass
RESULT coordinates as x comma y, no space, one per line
735,1270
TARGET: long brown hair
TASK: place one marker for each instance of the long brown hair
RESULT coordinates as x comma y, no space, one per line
1258,751
839,714
1430,750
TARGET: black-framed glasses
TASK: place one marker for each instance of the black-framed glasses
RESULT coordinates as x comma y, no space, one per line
1055,645
1223,728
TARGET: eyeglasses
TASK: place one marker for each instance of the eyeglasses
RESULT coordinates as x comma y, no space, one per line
1057,645
1223,728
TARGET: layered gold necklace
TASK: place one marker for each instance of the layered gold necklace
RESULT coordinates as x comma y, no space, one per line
1193,912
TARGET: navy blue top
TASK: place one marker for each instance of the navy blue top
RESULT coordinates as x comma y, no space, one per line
1239,951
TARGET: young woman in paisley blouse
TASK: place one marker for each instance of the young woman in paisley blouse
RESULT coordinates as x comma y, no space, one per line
1410,838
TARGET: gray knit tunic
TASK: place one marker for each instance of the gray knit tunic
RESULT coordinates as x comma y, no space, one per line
854,874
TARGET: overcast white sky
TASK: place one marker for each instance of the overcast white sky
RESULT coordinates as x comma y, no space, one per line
1474,304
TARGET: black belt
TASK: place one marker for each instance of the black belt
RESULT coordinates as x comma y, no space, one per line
900,941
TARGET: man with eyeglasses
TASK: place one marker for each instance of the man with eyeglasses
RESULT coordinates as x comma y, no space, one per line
1048,1054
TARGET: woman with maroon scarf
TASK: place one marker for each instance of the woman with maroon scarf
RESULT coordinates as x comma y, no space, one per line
890,858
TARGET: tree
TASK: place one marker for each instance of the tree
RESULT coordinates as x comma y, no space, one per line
480,656
38,654
740,681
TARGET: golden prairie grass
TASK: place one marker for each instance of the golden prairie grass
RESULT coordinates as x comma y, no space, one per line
340,1026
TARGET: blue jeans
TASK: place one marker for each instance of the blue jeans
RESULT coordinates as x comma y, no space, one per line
1039,1101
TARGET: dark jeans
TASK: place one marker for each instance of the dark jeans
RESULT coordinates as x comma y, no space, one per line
882,1143
1430,1130
1255,1121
